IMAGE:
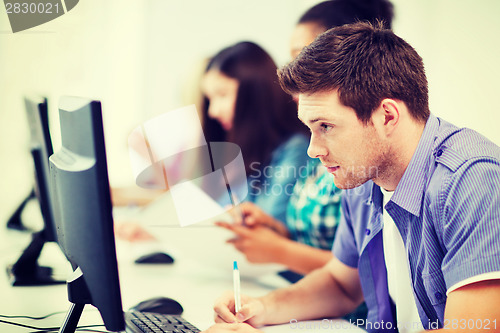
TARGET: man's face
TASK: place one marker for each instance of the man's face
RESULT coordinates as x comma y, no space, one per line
353,152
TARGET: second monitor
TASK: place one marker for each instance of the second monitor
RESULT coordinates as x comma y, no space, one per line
84,222
83,213
26,271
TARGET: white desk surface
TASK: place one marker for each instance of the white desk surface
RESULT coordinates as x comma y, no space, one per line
193,283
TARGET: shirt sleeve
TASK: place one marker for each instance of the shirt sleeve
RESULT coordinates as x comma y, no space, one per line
278,178
474,279
470,219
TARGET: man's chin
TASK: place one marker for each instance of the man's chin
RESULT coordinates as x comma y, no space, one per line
347,184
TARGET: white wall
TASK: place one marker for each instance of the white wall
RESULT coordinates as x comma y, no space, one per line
460,45
137,56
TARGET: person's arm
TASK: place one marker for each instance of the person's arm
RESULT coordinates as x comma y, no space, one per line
259,244
331,291
134,196
473,308
302,258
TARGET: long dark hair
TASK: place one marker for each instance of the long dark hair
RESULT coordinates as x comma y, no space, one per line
265,115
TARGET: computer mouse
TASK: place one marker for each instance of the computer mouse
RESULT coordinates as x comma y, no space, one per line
155,258
163,305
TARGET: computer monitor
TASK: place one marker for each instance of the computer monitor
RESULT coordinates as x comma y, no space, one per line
83,213
26,271
14,221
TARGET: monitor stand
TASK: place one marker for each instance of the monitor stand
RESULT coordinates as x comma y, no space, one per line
26,271
79,296
15,222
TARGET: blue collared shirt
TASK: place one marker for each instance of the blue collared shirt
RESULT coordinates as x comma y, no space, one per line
447,209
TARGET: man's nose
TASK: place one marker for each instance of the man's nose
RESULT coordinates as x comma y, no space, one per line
316,148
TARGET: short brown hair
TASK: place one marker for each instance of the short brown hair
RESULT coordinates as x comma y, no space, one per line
366,63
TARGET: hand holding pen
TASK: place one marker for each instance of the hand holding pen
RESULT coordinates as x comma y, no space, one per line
233,307
251,215
251,312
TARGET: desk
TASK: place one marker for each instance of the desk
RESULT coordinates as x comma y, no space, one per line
193,283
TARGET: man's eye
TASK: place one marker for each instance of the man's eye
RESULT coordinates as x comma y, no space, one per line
326,127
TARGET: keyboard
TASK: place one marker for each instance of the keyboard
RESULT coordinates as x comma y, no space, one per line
149,322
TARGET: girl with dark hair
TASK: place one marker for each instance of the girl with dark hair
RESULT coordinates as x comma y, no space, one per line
245,105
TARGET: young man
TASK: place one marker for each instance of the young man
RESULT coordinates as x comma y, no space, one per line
420,239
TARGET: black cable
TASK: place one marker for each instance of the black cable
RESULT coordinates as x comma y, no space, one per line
79,329
84,328
30,317
28,326
51,329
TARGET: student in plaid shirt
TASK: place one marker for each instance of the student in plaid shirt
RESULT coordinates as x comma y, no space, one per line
302,243
314,209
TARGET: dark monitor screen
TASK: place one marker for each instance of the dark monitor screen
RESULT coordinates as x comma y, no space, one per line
26,270
41,149
83,212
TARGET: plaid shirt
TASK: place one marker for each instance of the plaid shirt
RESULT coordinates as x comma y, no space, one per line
314,209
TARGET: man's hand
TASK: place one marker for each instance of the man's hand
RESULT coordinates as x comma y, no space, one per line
236,327
251,312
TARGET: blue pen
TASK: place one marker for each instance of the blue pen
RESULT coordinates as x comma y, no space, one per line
236,282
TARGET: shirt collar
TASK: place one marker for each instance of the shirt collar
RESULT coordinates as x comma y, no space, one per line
409,192
375,196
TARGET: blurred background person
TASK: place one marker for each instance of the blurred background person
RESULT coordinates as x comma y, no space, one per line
245,105
303,240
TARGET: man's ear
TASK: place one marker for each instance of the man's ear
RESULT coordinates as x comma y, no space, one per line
388,115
